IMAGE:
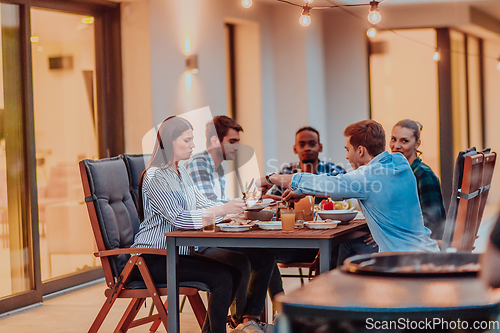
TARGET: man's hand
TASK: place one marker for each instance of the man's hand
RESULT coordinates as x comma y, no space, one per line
272,196
369,240
291,196
262,185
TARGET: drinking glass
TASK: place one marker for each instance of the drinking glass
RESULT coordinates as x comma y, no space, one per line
208,220
299,218
287,219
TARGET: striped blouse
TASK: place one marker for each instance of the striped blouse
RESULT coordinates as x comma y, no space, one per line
171,202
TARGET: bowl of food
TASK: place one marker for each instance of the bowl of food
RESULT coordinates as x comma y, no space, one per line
342,215
261,215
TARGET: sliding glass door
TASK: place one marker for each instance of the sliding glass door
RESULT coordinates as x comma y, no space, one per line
60,86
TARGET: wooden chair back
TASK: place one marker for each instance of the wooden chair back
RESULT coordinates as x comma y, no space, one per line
468,207
489,161
472,180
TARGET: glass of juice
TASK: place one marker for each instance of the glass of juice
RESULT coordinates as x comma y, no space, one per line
208,220
287,219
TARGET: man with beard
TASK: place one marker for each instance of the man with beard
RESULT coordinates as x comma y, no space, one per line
307,147
223,137
255,264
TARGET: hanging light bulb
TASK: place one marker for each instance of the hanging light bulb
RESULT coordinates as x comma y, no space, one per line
374,16
372,32
309,1
305,18
498,64
436,55
246,3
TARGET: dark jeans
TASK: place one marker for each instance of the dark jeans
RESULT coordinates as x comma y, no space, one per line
222,279
256,266
288,256
354,247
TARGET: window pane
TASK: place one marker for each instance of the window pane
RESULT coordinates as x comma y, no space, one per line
65,132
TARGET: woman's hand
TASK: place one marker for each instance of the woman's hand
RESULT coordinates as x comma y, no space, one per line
234,206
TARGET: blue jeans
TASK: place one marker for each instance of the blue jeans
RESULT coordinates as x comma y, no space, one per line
256,266
354,247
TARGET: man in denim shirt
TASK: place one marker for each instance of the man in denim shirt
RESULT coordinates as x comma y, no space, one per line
383,183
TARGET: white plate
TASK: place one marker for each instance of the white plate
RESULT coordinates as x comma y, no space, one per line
253,204
233,228
269,225
322,225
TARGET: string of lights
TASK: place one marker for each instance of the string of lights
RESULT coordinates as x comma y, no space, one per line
372,32
374,16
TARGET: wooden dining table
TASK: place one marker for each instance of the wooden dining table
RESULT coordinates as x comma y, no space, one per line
324,240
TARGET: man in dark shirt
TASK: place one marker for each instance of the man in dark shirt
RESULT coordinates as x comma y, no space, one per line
307,147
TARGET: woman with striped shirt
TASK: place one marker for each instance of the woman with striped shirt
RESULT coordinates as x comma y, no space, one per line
169,200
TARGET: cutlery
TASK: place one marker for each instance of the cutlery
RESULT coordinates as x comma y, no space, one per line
250,186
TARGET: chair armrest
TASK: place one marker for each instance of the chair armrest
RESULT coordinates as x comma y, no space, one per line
134,250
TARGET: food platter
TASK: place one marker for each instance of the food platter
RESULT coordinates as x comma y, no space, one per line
234,228
322,224
269,225
414,264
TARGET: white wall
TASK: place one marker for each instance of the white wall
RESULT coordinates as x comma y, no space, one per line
136,53
347,78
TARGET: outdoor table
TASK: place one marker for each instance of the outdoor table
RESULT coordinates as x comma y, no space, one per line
365,301
323,240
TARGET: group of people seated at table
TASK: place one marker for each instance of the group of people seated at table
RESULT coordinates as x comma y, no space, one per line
398,194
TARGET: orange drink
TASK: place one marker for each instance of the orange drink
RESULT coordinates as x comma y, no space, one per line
287,219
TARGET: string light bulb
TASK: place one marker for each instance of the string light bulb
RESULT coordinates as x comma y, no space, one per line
436,55
305,18
246,3
374,16
498,64
372,32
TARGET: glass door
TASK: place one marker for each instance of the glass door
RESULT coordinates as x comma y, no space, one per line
63,59
60,102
